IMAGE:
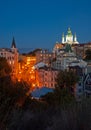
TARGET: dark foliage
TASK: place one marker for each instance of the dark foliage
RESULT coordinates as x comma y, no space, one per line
12,95
5,68
87,55
66,79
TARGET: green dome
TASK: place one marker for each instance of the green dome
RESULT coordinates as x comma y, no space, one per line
69,33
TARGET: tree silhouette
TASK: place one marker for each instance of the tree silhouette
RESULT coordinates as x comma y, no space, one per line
5,68
88,54
66,79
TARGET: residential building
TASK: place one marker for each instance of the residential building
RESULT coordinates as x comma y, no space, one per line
78,48
44,56
78,88
66,57
11,55
87,84
45,76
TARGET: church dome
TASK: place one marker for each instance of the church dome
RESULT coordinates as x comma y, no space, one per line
69,33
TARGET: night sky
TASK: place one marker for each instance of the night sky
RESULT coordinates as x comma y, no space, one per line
40,23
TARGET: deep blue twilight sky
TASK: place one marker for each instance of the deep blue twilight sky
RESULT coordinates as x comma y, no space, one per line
40,23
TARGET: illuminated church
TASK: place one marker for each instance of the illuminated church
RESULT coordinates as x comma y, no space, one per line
66,39
69,38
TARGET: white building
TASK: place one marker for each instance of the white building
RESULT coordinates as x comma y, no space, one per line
66,57
69,38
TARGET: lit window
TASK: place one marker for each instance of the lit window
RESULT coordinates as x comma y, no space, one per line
10,62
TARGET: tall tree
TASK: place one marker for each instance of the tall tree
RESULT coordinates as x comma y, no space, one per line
88,54
66,79
12,95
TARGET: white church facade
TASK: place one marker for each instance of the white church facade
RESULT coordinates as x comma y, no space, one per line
69,38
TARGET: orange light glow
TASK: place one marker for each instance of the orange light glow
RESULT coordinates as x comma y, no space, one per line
33,67
33,85
19,80
26,70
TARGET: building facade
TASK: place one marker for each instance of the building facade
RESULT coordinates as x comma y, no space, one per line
11,55
87,84
45,76
44,56
69,38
